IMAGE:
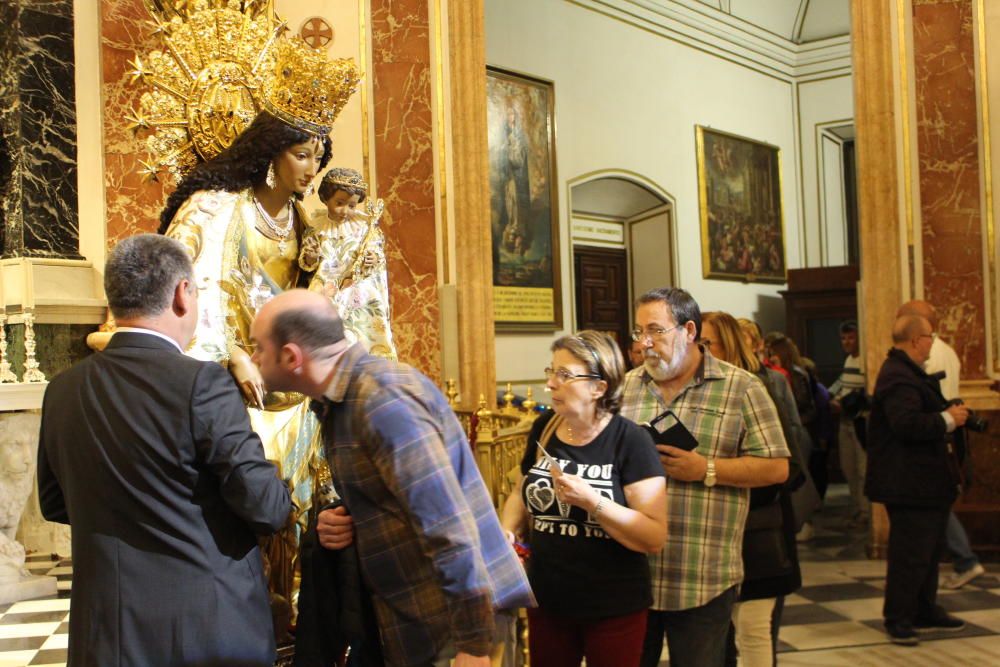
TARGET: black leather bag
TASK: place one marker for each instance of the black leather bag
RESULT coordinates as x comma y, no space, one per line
765,549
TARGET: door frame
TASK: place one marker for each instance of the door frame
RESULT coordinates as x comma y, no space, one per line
642,181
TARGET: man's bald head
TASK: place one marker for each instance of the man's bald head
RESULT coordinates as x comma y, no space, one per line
307,319
908,327
919,308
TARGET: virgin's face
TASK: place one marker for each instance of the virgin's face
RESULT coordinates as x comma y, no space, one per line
341,204
296,167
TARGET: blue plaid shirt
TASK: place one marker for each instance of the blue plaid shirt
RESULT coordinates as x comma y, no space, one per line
432,551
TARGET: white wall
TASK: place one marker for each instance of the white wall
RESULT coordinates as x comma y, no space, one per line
821,103
629,99
651,253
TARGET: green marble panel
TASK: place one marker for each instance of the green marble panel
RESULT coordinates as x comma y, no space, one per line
57,346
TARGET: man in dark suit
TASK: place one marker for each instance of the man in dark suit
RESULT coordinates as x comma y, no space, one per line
149,456
912,470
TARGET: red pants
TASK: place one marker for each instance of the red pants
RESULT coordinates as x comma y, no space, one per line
556,641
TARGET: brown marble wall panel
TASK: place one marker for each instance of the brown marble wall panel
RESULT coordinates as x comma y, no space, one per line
133,204
401,77
947,143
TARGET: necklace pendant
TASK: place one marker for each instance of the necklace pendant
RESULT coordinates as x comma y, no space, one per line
282,246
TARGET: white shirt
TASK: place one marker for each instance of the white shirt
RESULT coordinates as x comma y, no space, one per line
151,333
944,358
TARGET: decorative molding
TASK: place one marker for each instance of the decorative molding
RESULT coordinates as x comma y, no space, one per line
58,291
21,396
714,32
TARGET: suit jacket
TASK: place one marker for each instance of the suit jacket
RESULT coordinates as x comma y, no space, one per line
908,459
149,456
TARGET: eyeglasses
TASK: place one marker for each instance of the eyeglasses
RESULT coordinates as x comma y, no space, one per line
562,376
652,333
932,336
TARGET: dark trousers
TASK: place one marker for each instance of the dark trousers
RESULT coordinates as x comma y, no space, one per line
916,542
695,637
557,641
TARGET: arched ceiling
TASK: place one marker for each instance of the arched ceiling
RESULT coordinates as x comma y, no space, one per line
613,198
798,21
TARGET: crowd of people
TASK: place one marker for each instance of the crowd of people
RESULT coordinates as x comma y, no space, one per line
658,503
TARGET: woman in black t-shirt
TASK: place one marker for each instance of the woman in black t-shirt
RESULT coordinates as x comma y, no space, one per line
594,503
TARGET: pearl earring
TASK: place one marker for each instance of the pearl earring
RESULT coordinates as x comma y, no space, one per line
270,179
310,189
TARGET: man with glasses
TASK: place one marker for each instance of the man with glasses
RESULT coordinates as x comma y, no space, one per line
945,360
912,470
740,446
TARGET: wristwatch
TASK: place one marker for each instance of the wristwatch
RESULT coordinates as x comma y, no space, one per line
709,480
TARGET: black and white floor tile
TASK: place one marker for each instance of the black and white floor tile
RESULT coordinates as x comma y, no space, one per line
834,620
34,632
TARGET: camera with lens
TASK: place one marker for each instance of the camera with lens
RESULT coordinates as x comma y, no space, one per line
972,422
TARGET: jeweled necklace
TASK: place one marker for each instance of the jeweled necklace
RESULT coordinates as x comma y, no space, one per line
278,229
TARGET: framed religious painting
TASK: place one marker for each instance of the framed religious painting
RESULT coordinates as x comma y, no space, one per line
739,196
524,217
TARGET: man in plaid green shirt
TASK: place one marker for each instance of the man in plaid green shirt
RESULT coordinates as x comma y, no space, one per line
740,446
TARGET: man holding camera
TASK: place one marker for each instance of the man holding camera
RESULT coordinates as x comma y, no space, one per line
944,361
912,469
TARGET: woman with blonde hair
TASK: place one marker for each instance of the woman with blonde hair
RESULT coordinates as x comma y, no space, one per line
770,559
593,496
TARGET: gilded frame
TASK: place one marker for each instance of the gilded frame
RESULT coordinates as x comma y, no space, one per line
740,208
524,207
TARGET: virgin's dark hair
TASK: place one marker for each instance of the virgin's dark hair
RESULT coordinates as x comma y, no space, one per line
243,165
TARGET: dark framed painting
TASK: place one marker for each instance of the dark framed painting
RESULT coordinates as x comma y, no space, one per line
739,196
524,216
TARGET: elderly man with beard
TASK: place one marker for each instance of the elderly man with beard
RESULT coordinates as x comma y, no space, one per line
740,446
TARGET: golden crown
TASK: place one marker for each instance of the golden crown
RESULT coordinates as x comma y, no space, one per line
308,90
345,178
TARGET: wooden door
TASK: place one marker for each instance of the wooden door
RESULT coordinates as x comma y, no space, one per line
602,292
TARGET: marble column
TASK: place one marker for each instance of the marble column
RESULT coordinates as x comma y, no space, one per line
470,192
37,130
948,157
404,163
943,226
878,149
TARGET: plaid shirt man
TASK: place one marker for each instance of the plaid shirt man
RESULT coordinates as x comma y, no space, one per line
434,557
730,414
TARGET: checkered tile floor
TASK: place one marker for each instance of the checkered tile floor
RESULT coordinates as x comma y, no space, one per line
840,602
34,632
833,621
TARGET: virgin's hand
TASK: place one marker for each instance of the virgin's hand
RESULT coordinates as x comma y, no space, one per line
371,260
247,377
682,465
468,660
574,490
335,528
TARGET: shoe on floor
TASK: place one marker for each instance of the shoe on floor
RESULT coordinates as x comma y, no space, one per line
959,579
805,532
902,634
942,622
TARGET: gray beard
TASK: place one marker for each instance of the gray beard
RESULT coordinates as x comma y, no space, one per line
661,370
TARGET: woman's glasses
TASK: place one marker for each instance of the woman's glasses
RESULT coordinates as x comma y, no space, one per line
562,376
